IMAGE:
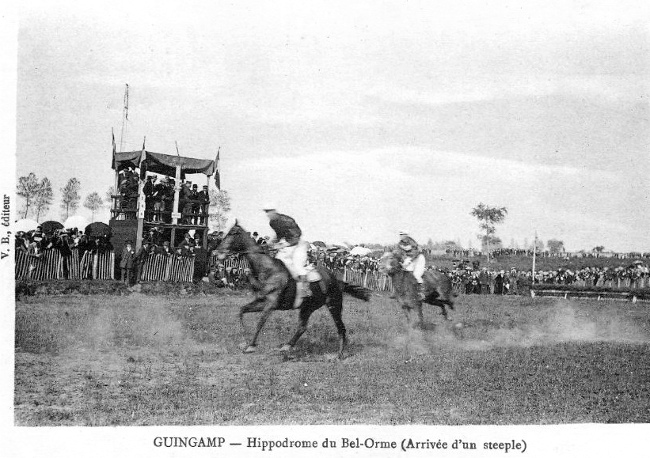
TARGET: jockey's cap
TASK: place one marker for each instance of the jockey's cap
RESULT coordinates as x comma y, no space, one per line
401,233
268,206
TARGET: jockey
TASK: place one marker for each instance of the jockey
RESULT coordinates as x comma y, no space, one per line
413,259
292,251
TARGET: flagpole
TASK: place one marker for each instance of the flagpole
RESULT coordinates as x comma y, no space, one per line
125,116
534,255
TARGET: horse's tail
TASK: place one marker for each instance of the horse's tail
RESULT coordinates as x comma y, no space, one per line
356,291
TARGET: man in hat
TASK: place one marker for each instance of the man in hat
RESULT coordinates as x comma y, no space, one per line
412,259
195,205
184,204
159,198
187,242
152,237
292,250
200,260
204,198
126,262
141,258
164,249
170,189
148,191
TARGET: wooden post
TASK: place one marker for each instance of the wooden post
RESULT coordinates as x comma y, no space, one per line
206,221
175,209
140,207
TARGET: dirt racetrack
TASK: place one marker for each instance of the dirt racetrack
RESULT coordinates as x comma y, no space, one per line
161,360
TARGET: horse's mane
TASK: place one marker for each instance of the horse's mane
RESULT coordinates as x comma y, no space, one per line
258,250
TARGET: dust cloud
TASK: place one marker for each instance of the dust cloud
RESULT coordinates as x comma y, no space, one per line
562,322
147,323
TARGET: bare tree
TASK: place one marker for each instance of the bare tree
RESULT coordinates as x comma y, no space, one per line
27,188
43,198
219,208
555,246
488,217
70,197
93,203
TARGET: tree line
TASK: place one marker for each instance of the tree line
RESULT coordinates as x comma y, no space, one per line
38,197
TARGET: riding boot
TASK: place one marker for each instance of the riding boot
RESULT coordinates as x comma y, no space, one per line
302,291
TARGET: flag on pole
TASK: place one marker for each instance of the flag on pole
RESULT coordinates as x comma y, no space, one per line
114,149
142,164
217,175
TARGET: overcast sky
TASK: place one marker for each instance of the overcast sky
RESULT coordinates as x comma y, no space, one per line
359,121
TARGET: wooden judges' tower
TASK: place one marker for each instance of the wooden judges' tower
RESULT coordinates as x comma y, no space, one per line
133,215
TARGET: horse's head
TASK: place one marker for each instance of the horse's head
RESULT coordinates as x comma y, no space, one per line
390,263
235,241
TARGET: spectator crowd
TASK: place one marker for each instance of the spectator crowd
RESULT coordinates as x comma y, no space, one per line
467,278
159,199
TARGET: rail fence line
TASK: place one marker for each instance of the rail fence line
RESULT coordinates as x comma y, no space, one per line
52,265
161,267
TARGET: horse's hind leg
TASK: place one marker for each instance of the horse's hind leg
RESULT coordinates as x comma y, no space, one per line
335,306
444,305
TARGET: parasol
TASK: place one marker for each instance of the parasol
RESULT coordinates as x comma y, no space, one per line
77,221
25,225
97,230
360,250
48,227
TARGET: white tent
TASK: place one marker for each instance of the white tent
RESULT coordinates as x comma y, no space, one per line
77,221
25,225
360,250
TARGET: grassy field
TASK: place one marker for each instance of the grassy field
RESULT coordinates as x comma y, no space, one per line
156,360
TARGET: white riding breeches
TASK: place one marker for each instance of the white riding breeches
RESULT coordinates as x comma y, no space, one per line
295,258
416,266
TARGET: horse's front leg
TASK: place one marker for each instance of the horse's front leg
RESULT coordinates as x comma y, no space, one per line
270,305
418,307
303,319
256,305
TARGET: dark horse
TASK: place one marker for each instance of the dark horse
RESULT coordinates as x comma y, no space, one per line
275,289
438,289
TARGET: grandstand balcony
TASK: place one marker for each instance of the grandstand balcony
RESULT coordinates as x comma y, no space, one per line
133,215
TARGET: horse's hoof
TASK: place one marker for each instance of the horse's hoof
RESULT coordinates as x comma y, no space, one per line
250,349
286,348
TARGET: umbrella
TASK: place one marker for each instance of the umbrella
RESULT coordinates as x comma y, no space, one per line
77,221
318,243
98,229
360,250
25,225
49,227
